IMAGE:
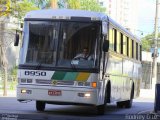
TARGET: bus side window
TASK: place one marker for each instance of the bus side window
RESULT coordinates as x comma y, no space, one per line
130,48
118,42
115,39
111,41
137,51
121,43
140,52
127,46
124,45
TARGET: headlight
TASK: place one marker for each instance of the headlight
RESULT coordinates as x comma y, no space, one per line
91,84
29,80
83,83
23,80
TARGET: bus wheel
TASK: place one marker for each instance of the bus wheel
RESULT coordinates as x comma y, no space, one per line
128,103
125,104
100,109
120,104
40,106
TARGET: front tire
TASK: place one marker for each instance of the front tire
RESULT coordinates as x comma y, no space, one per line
40,105
125,104
100,109
128,103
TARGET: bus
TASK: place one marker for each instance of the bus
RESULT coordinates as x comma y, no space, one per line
49,74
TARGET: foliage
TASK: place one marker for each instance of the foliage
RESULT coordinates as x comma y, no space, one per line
19,9
14,70
16,9
74,4
90,5
148,41
4,7
41,3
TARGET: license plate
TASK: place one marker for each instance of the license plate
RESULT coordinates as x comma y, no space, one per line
54,92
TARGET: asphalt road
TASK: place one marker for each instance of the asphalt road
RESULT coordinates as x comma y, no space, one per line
11,109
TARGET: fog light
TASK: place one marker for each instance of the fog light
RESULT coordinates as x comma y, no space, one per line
26,91
87,94
84,94
23,91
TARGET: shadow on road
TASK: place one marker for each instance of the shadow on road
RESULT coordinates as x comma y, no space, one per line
10,105
90,111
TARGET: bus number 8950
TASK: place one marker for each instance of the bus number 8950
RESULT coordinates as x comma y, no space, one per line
35,73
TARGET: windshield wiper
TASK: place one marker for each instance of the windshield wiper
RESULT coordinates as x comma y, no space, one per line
73,65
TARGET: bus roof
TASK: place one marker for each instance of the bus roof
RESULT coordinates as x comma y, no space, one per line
51,13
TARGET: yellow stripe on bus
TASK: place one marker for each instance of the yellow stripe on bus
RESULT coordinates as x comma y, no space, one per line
82,76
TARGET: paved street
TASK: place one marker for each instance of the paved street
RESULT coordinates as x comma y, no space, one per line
11,108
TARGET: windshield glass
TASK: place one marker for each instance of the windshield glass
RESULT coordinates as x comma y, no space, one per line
63,44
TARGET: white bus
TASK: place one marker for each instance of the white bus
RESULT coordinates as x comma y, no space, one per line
49,74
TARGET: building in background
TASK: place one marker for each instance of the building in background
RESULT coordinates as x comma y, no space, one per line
124,12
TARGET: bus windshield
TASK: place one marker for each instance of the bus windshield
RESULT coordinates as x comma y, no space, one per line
55,44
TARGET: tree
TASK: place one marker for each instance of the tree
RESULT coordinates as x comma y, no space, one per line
74,4
148,42
4,7
14,71
19,9
48,3
90,5
16,9
41,3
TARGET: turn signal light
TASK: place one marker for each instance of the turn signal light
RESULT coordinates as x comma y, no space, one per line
94,84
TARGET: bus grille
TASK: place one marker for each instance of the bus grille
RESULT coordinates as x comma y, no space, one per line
49,82
65,82
40,81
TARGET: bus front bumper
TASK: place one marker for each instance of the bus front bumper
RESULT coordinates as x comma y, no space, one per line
58,95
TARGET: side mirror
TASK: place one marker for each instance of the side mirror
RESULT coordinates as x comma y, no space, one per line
16,41
105,45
